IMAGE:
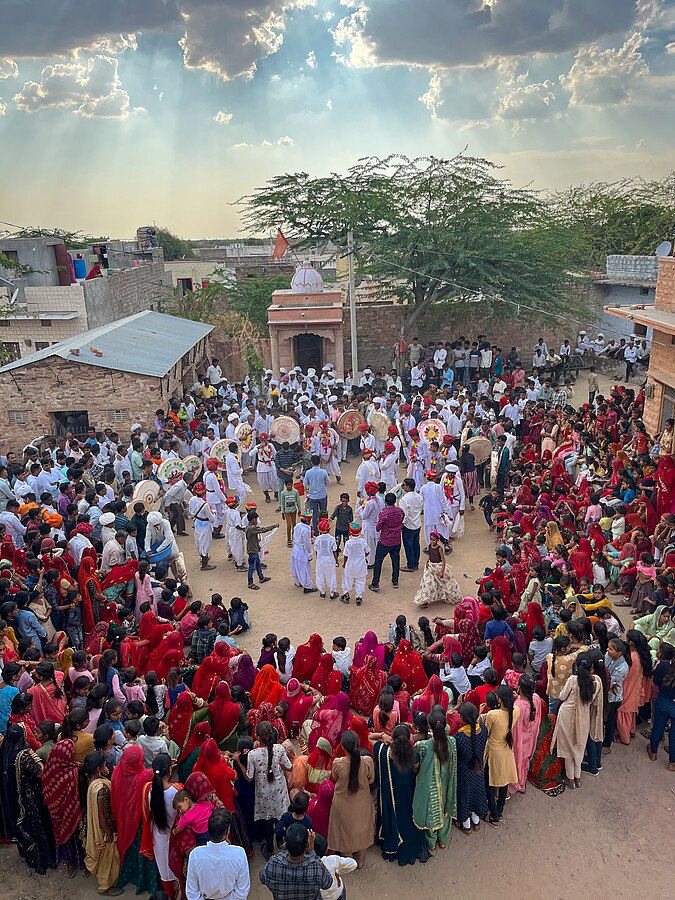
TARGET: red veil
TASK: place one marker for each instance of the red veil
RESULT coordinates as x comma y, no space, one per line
408,664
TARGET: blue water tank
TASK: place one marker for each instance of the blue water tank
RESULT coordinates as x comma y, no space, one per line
80,268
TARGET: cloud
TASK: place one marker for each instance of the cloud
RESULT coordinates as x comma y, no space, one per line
439,33
432,98
123,42
311,59
527,101
223,118
8,68
92,90
3,108
591,140
284,141
602,77
329,103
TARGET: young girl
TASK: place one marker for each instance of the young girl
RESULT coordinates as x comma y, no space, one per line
133,688
193,815
155,699
438,584
385,717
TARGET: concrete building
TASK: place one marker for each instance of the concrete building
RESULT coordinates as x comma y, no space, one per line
628,281
41,307
189,274
109,376
660,403
305,324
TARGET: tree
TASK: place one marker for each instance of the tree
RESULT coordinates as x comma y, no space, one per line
74,240
252,297
632,216
173,246
431,231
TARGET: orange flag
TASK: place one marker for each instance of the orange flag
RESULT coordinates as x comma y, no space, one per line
281,245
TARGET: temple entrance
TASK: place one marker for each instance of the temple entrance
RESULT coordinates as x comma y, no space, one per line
307,351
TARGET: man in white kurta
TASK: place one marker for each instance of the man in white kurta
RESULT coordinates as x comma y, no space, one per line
453,487
266,471
418,458
369,470
204,520
325,548
214,494
355,565
435,504
389,465
302,553
235,476
235,530
369,513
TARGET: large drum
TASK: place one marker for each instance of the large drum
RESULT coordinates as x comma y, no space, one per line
221,449
348,424
285,428
169,468
380,422
432,430
244,434
481,447
147,493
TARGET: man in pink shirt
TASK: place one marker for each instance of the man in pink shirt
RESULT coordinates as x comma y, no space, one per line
390,526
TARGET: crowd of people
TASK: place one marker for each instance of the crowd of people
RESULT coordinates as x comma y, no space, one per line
143,744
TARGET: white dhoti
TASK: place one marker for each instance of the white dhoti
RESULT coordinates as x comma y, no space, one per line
326,579
301,571
267,478
203,537
218,508
354,576
416,470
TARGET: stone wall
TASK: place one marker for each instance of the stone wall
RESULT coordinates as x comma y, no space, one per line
643,268
125,292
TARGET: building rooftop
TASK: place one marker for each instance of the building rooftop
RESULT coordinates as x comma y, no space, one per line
148,343
660,319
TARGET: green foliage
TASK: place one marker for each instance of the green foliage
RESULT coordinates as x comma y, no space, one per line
251,298
632,216
173,246
74,240
11,265
431,231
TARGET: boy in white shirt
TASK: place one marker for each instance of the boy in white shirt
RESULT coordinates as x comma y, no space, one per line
355,565
342,654
325,549
336,865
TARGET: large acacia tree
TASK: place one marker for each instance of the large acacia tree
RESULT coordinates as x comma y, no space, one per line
431,231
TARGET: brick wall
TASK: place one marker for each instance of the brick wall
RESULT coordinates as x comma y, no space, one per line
665,288
638,267
663,350
125,292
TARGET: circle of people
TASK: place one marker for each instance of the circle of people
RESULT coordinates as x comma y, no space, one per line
141,742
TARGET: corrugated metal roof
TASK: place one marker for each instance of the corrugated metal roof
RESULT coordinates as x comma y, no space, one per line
148,343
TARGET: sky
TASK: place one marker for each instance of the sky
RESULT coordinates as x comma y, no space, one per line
121,113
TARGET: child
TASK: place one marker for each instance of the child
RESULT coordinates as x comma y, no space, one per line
239,621
401,696
355,565
194,816
325,548
253,531
565,617
344,516
342,654
617,665
80,689
132,729
297,812
478,665
386,715
454,676
132,687
290,505
512,675
337,867
540,647
606,522
74,619
619,523
224,635
155,700
78,668
217,611
131,544
189,621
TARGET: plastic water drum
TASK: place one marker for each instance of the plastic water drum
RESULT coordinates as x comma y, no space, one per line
80,268
300,487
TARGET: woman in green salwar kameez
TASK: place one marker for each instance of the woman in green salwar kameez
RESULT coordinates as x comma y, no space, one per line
657,627
435,800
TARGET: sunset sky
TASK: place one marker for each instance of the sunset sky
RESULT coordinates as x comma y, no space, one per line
120,113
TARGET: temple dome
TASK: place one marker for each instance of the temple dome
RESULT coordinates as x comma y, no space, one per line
307,280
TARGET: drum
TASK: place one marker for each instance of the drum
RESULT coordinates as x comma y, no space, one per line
193,466
481,447
244,434
380,422
221,449
147,493
432,430
285,428
348,424
169,468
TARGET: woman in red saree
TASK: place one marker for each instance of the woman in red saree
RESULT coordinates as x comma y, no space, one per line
319,807
319,765
168,654
183,840
224,713
299,705
326,679
212,764
665,481
150,634
214,668
408,664
265,713
468,637
330,721
90,590
582,565
535,616
369,646
60,790
49,700
596,536
433,695
500,653
267,687
200,734
180,719
365,685
128,779
307,658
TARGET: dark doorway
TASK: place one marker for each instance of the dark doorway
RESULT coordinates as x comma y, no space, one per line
76,422
308,351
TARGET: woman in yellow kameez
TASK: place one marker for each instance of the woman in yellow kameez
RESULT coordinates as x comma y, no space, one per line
102,857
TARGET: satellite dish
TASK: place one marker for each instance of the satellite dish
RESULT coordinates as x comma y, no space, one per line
664,249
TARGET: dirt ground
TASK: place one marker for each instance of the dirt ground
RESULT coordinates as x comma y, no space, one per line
612,836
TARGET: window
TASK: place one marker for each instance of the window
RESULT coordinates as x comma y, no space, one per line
668,408
18,417
205,282
46,323
41,345
11,254
117,416
644,291
184,285
9,351
5,323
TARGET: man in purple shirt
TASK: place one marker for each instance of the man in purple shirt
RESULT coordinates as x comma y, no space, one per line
390,526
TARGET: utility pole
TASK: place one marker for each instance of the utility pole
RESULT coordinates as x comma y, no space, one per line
352,305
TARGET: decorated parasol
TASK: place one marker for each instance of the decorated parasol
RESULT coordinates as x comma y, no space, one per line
221,449
193,465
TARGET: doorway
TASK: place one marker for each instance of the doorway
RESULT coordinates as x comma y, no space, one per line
308,351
